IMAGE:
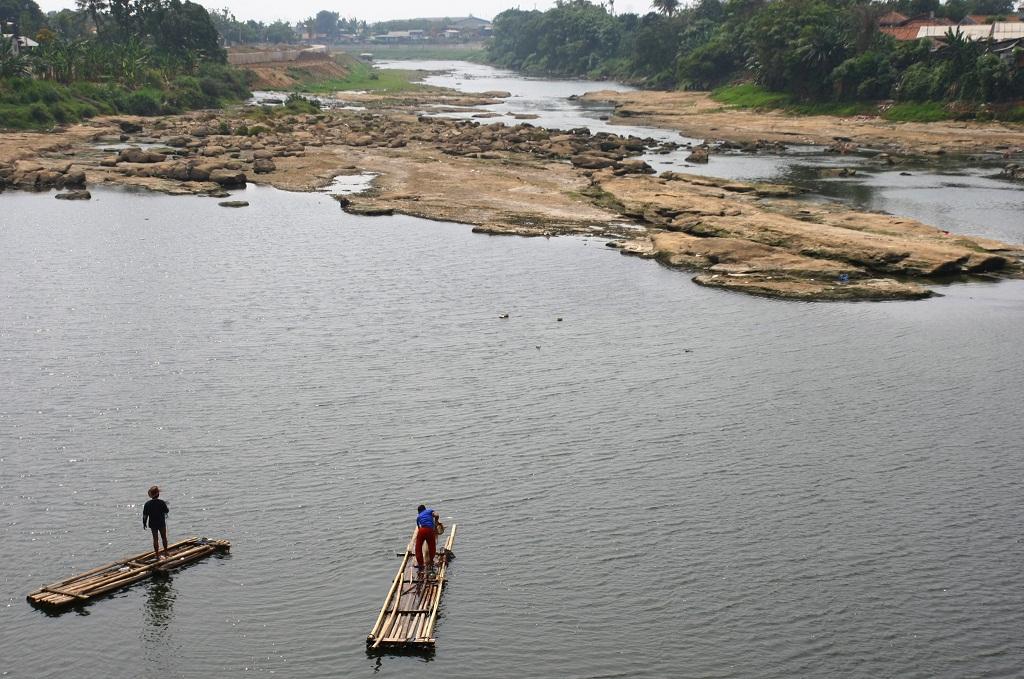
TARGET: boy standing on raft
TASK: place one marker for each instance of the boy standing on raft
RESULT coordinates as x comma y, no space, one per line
426,531
156,511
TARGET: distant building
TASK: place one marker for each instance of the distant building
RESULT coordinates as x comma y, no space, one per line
396,37
982,19
892,19
908,28
20,43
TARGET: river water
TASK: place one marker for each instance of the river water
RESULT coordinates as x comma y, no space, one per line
670,481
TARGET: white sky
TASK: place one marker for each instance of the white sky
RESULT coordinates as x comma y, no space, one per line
295,10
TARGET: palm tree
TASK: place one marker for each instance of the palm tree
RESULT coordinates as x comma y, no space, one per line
666,7
12,63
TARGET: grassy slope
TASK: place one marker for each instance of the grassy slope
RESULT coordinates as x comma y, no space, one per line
26,103
361,76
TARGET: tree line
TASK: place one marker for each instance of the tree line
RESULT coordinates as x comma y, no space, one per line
813,50
112,56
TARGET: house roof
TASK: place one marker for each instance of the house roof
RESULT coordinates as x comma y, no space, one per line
901,32
22,40
980,19
1001,30
891,19
927,20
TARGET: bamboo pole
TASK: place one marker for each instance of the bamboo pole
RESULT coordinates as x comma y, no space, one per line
375,632
429,630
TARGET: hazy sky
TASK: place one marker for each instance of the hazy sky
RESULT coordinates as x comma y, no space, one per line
294,10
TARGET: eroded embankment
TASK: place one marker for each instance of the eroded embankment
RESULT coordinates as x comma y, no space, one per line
525,180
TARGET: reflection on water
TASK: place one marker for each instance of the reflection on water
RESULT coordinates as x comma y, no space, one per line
159,608
158,642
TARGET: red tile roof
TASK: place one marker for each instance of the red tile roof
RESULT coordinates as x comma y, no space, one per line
891,19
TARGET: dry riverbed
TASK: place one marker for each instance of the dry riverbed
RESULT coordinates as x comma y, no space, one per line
518,179
696,114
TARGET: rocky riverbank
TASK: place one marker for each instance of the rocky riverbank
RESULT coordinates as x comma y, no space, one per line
523,180
696,114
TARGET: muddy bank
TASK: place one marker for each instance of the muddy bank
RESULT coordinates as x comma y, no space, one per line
695,114
523,180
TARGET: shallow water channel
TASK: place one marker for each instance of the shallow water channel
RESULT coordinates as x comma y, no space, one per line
670,481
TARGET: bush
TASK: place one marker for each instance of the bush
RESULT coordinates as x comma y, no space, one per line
144,102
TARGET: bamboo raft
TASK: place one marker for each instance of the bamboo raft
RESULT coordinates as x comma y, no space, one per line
86,586
409,613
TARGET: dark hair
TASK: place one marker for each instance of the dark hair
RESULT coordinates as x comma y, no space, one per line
421,508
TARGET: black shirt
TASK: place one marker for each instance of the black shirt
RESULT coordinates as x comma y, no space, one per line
155,510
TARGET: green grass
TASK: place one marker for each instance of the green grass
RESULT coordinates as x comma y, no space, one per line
917,112
1013,115
26,103
361,76
748,95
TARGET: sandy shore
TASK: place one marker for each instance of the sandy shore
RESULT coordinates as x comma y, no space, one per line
523,180
695,114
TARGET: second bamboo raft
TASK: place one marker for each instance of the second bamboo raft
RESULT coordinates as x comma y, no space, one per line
83,587
409,614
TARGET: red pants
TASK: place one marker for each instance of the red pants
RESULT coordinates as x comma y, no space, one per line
428,535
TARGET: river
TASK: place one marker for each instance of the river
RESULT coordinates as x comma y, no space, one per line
956,194
670,481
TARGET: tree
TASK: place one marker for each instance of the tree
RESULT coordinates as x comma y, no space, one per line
185,30
95,9
24,14
326,23
666,7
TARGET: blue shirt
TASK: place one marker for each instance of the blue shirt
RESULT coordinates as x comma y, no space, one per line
425,519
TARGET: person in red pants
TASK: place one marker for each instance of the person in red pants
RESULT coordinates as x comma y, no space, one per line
426,531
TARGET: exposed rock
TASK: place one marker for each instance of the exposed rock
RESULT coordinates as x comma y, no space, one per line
1013,171
263,165
134,154
698,155
367,211
228,178
234,203
74,179
592,161
74,195
129,127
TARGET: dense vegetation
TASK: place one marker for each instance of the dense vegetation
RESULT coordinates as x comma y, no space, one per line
803,50
143,57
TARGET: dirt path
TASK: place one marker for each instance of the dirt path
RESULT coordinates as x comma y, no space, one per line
695,114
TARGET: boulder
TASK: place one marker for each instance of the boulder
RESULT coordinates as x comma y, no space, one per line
228,178
74,195
74,179
698,155
177,142
592,161
134,154
234,203
263,165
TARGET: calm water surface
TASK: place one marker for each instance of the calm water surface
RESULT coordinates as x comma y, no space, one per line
672,481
